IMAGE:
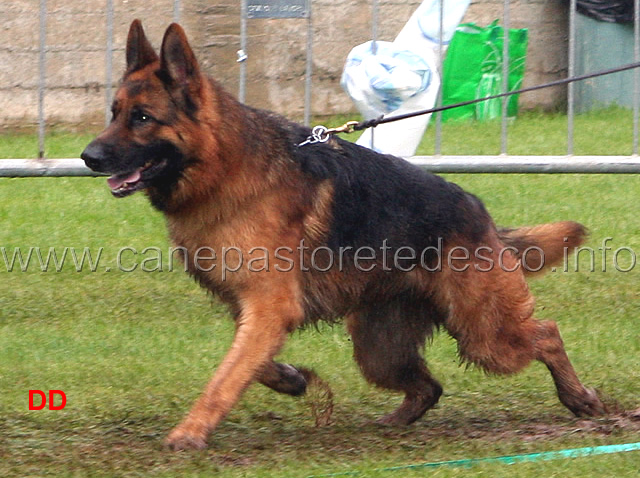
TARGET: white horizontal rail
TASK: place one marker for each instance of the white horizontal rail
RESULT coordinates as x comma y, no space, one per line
529,164
26,168
23,168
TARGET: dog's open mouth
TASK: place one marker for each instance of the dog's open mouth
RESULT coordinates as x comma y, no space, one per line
124,184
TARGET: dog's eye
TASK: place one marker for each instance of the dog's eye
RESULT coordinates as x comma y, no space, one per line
140,117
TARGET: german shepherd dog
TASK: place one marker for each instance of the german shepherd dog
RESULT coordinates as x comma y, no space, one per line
293,233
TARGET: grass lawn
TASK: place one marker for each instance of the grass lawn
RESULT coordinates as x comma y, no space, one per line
132,350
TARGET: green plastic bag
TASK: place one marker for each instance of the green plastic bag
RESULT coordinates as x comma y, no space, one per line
473,69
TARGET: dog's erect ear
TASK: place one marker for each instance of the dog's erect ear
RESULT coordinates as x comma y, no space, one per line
140,53
177,60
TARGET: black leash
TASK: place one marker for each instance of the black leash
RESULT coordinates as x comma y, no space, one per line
321,134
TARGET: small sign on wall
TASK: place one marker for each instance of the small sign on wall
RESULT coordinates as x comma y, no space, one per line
278,9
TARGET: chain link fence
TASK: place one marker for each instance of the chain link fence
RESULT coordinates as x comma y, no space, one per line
313,14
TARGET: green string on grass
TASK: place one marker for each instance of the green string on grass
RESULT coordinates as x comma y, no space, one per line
507,460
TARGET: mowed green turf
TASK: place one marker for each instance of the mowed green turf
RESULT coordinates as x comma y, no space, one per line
132,350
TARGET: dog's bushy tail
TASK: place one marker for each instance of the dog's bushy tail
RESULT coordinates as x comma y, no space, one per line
556,240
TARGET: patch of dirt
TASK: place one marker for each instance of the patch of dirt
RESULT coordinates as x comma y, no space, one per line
600,426
505,428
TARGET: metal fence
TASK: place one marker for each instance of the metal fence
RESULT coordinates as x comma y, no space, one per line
502,163
68,169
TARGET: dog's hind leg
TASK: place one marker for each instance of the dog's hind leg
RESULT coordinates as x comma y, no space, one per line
283,378
573,395
387,340
491,319
517,343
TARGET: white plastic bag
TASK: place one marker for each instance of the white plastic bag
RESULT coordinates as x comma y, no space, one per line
401,76
379,83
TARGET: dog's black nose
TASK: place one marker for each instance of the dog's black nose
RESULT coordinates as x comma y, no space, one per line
93,155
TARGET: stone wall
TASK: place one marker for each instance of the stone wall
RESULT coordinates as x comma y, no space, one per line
76,36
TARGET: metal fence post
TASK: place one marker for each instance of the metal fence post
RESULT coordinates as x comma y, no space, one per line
636,73
374,47
309,69
505,77
242,53
109,64
176,11
572,69
438,139
42,77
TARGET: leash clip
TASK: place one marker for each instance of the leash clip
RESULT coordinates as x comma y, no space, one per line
348,127
319,134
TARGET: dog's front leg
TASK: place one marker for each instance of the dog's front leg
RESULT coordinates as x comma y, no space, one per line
262,327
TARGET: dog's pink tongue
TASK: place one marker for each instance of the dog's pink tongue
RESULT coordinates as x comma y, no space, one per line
118,180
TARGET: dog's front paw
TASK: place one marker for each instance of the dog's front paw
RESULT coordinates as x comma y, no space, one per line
182,438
